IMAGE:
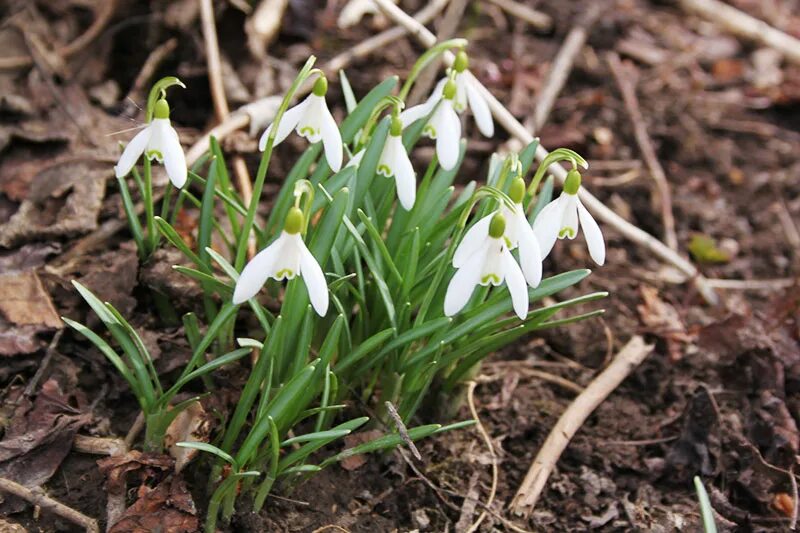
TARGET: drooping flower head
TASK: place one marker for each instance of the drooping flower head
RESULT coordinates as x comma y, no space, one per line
159,141
394,162
483,258
520,234
311,119
443,125
465,96
285,258
561,218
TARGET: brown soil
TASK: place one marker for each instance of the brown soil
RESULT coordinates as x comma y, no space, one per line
720,395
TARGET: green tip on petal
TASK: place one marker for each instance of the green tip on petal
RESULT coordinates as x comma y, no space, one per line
449,91
161,109
294,221
573,182
517,190
498,226
397,127
462,62
320,86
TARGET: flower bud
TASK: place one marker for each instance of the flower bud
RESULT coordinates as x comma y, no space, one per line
573,182
161,109
517,190
294,221
320,86
449,90
462,62
497,227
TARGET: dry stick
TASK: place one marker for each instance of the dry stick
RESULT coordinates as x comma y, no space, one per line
447,29
664,196
537,19
630,357
106,12
744,25
36,496
562,65
221,103
115,499
513,126
488,440
367,46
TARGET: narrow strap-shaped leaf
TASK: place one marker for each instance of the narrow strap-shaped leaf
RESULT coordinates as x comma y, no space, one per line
208,448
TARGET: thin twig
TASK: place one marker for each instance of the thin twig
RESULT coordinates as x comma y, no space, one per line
151,64
36,496
376,42
630,357
51,350
562,65
744,25
221,103
136,428
513,126
104,15
754,284
488,440
537,19
663,194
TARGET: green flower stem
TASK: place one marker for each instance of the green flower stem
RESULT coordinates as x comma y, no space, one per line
560,154
425,59
258,186
147,198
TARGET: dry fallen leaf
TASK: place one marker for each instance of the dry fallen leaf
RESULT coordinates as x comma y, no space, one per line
168,508
663,319
191,425
25,311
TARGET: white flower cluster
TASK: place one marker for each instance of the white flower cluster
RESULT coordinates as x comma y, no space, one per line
483,257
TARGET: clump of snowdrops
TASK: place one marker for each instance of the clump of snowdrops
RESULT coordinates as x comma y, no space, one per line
391,287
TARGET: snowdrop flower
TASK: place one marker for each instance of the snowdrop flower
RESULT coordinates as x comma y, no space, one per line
520,234
158,141
466,95
482,258
394,162
443,125
312,120
285,258
560,218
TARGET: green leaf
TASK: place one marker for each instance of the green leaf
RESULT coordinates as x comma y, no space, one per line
705,250
383,443
133,218
209,448
356,120
172,236
706,510
307,449
350,100
208,282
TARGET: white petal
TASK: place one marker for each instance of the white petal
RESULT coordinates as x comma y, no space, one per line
530,256
448,135
569,217
405,180
461,287
473,240
594,237
547,224
258,270
133,151
174,158
314,279
480,110
331,140
516,285
413,114
386,160
288,122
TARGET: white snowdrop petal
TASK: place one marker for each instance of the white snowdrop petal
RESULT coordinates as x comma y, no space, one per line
473,240
356,159
461,287
414,113
289,122
569,218
547,224
386,161
314,279
174,158
480,110
529,254
460,101
133,151
448,136
257,271
405,180
331,140
517,286
594,237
